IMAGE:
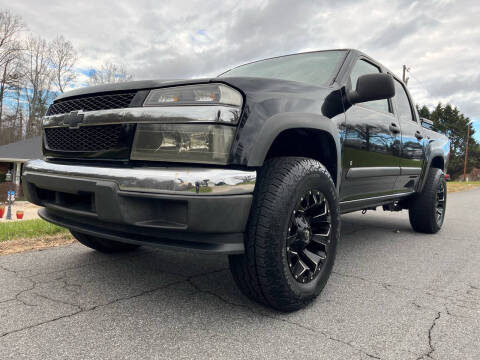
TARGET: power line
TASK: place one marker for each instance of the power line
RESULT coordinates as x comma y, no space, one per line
466,155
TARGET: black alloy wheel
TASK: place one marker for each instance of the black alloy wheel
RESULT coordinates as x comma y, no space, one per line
440,204
309,236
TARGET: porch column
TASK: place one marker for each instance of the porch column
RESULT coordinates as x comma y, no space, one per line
18,172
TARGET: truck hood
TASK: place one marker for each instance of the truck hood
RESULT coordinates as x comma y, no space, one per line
128,85
245,84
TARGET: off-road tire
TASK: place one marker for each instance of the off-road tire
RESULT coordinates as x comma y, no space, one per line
103,245
263,273
423,207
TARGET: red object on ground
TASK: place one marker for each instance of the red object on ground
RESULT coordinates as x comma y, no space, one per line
447,177
20,214
2,211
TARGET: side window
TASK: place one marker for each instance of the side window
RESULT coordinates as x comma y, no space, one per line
363,67
403,104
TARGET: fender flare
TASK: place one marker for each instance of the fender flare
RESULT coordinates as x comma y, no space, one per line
276,124
436,148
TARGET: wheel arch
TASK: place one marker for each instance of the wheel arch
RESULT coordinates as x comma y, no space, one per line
436,157
307,135
438,163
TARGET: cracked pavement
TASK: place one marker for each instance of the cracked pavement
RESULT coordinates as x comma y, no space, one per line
394,294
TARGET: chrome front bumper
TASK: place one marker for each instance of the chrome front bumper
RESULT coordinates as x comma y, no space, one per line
161,180
196,209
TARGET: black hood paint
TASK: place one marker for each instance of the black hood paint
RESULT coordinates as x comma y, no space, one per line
242,83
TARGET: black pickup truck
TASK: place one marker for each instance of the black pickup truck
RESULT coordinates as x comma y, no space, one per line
257,163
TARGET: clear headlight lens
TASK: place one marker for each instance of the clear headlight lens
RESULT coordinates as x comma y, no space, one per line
203,94
194,143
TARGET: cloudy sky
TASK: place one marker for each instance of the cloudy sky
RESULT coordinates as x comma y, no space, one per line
438,39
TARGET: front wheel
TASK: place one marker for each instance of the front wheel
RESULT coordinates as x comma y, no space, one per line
103,245
292,234
427,209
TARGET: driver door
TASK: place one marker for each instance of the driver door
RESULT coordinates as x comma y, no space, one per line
371,163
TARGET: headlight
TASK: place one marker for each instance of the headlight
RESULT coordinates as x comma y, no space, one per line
194,143
203,94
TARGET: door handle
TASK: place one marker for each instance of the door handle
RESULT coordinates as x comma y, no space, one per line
394,128
418,135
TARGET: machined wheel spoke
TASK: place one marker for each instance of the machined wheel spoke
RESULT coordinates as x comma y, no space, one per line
313,259
299,269
312,202
321,220
323,232
318,208
318,198
323,214
320,239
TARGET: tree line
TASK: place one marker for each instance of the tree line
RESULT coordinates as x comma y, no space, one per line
448,120
33,71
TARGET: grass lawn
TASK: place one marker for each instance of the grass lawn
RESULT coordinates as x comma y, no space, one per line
453,186
28,229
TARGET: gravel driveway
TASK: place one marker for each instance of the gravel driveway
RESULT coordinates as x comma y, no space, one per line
394,294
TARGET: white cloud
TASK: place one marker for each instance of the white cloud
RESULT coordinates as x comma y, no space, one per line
438,39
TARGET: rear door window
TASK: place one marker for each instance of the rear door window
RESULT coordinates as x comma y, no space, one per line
404,108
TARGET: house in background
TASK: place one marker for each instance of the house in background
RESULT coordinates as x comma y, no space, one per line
12,156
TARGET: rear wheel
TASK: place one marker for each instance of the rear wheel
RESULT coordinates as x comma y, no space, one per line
427,210
292,234
103,245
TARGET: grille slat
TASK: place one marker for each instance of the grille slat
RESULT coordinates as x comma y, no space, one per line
84,139
91,103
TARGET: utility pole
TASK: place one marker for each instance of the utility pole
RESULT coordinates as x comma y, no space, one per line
404,78
466,154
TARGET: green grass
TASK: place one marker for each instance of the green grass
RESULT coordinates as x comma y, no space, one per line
28,229
454,186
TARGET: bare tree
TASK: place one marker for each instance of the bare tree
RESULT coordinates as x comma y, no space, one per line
10,26
10,76
39,78
63,60
10,51
109,73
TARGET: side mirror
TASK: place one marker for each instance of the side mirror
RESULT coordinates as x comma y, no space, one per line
426,123
372,87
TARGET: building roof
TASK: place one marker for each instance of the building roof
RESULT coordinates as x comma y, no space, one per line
22,150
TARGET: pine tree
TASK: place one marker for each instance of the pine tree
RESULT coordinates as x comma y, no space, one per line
451,122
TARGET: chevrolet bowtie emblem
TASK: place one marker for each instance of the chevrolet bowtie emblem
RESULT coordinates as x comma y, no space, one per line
73,119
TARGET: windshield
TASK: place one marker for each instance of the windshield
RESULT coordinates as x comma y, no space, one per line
315,68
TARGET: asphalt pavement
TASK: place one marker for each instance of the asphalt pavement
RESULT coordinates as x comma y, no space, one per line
394,294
